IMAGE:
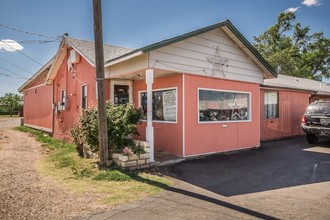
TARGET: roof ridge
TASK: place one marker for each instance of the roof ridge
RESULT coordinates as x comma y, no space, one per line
90,41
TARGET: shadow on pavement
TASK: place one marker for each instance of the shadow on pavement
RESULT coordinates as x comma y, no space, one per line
206,198
276,165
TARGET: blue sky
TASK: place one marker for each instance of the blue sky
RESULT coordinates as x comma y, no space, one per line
131,23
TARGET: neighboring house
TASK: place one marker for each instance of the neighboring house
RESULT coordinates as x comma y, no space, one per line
206,89
283,102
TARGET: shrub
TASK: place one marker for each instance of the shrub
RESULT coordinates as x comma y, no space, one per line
121,122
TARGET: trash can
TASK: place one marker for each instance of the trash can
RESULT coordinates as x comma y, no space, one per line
22,121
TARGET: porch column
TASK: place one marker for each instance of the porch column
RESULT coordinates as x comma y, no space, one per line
150,128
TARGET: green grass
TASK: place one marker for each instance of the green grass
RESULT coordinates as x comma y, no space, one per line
8,116
81,175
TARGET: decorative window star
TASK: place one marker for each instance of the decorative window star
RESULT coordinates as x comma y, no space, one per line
218,62
235,107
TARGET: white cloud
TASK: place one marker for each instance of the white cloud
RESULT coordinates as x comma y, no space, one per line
311,2
10,45
293,10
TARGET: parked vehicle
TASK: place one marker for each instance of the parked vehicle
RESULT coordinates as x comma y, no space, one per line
316,121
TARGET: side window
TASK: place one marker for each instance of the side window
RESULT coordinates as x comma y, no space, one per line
164,105
63,95
271,105
84,97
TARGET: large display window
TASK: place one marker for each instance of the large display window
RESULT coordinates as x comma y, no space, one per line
220,105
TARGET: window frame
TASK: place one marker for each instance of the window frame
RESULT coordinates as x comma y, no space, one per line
121,83
229,121
278,104
157,90
82,97
63,92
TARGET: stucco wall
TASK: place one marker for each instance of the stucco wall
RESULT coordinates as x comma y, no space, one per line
292,105
38,107
84,74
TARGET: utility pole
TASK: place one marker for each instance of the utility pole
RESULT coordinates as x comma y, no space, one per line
99,64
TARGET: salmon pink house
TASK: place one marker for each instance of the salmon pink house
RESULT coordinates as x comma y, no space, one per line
200,91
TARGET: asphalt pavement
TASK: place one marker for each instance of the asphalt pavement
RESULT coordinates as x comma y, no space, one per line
285,179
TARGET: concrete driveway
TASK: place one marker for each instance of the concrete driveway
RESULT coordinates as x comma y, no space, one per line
286,179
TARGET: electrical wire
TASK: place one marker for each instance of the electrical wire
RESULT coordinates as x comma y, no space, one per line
23,54
36,41
10,76
12,72
31,33
16,66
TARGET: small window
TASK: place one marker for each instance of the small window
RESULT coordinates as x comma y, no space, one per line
164,105
121,94
63,95
271,105
218,105
84,97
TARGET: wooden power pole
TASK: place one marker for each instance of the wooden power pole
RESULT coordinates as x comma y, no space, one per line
99,63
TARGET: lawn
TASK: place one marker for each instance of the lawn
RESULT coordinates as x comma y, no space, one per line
81,175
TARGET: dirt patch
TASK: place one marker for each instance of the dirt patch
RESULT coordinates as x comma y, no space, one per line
26,195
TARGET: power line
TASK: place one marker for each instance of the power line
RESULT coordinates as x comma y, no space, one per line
23,53
36,41
16,66
28,32
10,76
12,72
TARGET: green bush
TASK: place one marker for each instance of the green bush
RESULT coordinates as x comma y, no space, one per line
121,122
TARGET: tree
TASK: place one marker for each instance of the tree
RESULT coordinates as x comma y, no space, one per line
291,50
11,102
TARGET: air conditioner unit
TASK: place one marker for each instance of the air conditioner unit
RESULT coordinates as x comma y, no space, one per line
60,106
74,57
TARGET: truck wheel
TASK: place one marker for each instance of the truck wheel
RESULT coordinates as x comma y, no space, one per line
311,138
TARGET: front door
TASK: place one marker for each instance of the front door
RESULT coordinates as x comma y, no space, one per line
121,91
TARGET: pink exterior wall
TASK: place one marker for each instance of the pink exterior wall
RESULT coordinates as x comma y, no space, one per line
38,106
167,136
292,105
206,138
72,83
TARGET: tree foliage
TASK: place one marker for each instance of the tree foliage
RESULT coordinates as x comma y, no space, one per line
292,50
11,102
121,122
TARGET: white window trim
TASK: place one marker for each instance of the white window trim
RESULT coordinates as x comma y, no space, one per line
121,83
81,102
278,104
224,122
176,97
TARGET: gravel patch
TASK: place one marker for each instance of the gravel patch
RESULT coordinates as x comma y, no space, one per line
26,195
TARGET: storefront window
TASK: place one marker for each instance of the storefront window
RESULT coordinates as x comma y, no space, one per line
164,105
215,105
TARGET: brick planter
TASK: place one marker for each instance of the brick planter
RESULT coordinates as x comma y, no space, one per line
133,161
